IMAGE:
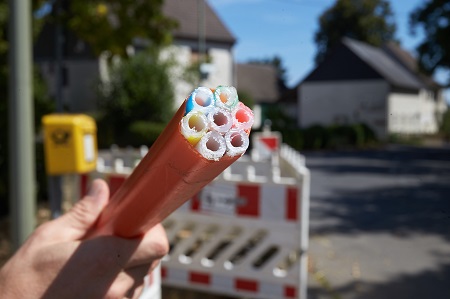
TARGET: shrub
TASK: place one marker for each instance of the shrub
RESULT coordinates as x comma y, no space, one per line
445,125
140,91
144,133
332,137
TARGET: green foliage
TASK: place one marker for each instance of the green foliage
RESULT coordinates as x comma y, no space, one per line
112,25
192,73
278,118
43,104
403,139
144,132
140,90
444,128
370,21
434,18
246,98
319,137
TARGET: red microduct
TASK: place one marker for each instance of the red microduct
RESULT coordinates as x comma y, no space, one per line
114,184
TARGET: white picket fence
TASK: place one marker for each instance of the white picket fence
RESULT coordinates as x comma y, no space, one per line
245,234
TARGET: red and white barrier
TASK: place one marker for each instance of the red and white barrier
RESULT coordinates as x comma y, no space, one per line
245,234
247,200
265,144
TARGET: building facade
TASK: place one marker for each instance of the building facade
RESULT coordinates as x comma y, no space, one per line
358,83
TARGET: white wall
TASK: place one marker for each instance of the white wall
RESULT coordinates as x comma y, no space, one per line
80,94
412,113
181,55
344,102
221,71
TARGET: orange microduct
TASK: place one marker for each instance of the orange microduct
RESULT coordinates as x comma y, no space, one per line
172,172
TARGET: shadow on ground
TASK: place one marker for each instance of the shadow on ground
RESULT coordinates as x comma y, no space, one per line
402,191
426,284
419,204
424,208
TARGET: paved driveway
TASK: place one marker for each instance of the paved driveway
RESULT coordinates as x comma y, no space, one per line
380,224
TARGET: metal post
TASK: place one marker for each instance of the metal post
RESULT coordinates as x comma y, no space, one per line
59,43
55,195
201,38
55,181
21,140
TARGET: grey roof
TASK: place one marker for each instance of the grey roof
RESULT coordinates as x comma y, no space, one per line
408,61
381,62
260,81
185,12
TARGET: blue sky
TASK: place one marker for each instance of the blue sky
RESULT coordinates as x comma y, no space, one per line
286,28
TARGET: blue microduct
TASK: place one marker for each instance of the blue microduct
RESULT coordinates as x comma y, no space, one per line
201,99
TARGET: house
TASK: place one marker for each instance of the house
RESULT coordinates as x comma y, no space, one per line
260,83
82,70
381,87
217,44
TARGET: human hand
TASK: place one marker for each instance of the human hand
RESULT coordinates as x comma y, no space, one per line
58,262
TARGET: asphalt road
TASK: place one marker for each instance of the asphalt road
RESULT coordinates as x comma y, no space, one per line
380,224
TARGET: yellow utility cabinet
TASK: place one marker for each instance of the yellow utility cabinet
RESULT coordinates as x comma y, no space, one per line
70,143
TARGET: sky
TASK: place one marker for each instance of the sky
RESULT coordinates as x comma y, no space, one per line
264,28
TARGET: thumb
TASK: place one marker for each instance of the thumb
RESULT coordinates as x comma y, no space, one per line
75,223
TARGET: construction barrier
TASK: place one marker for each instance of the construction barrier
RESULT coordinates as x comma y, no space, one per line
245,234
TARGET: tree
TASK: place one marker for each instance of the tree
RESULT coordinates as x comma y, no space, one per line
140,93
434,51
370,21
113,25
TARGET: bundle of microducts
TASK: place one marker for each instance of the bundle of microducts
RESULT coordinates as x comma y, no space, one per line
206,135
216,122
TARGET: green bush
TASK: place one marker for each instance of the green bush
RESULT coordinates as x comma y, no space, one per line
140,91
246,98
445,125
144,133
318,137
43,104
405,139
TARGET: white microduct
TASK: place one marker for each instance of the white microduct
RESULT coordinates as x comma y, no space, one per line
226,97
212,146
216,123
237,142
194,125
220,120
